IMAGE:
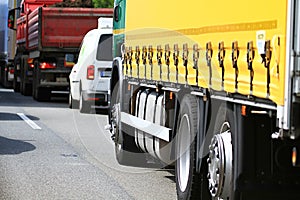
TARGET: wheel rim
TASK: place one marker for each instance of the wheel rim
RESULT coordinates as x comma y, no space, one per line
116,119
184,152
220,163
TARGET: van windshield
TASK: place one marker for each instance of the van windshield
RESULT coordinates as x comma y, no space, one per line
104,51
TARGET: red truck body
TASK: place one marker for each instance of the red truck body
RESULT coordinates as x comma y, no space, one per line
49,27
28,6
50,36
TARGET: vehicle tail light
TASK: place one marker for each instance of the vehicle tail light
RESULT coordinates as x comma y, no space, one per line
90,72
12,71
30,62
45,65
294,156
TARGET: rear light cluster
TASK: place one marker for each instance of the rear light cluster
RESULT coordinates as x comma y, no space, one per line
42,65
9,70
90,75
12,71
45,65
30,62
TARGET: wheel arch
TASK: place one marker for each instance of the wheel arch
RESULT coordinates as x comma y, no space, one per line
116,78
116,74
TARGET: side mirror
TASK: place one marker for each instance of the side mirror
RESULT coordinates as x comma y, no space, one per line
117,13
11,19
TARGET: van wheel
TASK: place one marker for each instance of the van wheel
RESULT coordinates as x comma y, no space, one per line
188,181
73,104
84,106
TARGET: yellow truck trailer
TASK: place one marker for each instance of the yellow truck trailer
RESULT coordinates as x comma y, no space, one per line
213,88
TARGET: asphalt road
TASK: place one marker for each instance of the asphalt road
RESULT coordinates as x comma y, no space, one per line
48,151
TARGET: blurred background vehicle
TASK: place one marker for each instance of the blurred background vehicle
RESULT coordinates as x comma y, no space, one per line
7,43
48,37
90,76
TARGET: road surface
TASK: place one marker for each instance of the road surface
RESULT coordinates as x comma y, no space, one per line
48,151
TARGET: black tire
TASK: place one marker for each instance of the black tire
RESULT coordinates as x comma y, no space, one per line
42,94
5,82
188,181
39,93
34,81
84,106
224,123
73,104
126,151
16,85
33,90
17,62
26,89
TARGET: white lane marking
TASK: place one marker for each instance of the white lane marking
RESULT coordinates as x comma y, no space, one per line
6,90
29,121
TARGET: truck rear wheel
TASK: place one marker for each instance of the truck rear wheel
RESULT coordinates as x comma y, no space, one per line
39,93
16,85
26,89
126,151
42,94
188,181
220,159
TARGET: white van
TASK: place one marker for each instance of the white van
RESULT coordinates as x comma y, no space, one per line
90,76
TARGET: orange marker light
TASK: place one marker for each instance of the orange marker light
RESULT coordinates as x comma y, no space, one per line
30,60
171,95
294,156
243,110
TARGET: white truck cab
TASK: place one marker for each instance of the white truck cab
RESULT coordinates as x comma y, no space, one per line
90,76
